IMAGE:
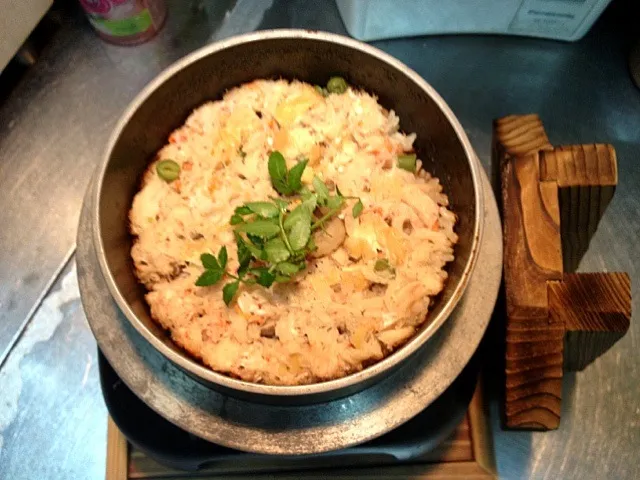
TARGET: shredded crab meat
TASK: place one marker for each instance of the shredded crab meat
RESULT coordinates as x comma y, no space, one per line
368,287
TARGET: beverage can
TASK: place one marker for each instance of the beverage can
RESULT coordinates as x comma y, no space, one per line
125,22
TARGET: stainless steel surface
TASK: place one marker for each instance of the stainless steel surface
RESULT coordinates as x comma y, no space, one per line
52,416
292,430
313,57
54,125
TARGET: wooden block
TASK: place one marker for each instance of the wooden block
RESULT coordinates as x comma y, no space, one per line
532,256
586,176
552,202
518,135
596,311
515,135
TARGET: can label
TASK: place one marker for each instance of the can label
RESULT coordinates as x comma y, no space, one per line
119,18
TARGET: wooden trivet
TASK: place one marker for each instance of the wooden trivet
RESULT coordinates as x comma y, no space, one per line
552,202
467,454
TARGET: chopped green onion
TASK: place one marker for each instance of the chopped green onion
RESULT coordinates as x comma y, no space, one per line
320,90
382,264
168,170
407,162
337,85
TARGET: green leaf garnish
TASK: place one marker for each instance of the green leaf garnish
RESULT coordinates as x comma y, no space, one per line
235,219
357,209
302,213
281,204
243,210
263,209
244,254
276,250
286,268
256,252
335,202
209,277
278,172
209,262
259,228
322,192
222,258
295,175
265,277
273,241
229,291
299,235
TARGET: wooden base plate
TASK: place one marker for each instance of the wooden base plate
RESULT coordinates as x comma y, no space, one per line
466,454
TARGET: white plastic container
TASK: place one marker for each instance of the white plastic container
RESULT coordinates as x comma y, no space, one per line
557,19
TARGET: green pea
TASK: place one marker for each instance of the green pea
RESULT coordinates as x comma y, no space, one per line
337,85
407,162
168,170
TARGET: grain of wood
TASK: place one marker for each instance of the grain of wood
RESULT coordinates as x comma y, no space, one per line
552,202
532,256
117,453
513,136
466,454
596,311
519,135
586,176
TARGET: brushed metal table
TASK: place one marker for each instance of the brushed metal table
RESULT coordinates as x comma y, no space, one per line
54,125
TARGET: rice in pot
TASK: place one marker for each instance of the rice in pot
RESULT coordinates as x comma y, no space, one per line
367,288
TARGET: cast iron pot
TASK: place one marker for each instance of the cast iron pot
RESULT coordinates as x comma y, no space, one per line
293,54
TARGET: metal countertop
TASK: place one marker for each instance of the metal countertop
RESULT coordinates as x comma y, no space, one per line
54,126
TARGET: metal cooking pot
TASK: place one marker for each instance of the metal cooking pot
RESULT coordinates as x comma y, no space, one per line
294,54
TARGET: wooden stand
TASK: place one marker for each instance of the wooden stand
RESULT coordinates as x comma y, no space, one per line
467,454
552,201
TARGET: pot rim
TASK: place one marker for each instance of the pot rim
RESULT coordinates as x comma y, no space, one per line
198,369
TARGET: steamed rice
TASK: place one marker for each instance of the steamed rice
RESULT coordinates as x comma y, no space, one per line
341,314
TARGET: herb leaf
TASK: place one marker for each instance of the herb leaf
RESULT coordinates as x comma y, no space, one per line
281,204
209,277
322,192
295,175
278,172
263,209
235,219
276,250
244,254
265,277
243,210
300,233
223,257
229,291
272,239
286,268
302,213
357,209
335,202
260,228
209,262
